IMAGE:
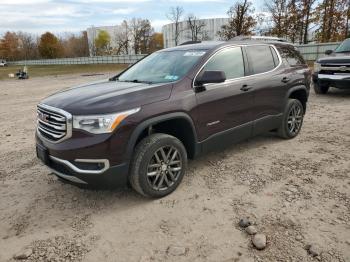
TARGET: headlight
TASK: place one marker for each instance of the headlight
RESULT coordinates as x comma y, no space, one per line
317,67
99,124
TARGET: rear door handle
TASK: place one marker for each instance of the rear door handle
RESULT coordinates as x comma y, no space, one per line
285,79
246,88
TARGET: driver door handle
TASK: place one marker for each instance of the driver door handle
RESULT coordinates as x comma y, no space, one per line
246,88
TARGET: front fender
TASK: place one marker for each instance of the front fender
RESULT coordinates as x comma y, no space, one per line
155,120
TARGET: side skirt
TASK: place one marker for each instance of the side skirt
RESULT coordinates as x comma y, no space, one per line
226,138
237,134
267,123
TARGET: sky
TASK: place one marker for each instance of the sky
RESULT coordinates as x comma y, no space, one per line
59,16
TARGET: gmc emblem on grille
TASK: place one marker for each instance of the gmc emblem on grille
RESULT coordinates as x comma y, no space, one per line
342,68
43,117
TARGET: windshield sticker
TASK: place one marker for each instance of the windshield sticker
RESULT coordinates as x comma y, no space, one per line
171,77
194,53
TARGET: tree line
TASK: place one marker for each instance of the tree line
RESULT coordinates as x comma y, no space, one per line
291,19
135,36
21,45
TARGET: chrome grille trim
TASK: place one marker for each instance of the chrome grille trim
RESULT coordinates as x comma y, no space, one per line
57,126
50,133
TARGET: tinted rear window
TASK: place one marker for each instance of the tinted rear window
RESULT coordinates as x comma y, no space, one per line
290,56
260,58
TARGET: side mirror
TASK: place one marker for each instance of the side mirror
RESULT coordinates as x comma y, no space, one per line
207,77
328,52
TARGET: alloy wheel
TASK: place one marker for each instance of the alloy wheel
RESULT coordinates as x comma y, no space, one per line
295,119
164,168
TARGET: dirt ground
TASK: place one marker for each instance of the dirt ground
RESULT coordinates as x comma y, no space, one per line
296,192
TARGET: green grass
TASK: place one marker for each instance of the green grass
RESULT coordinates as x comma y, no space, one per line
47,70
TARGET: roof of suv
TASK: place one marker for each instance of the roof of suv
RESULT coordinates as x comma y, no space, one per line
207,45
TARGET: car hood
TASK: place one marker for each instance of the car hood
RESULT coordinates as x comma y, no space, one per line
336,58
107,97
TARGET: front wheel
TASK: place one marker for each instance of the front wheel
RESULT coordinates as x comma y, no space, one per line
292,119
158,166
320,89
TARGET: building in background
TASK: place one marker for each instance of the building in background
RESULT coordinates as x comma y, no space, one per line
207,32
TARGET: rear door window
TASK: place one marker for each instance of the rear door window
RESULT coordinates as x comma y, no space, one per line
229,60
260,58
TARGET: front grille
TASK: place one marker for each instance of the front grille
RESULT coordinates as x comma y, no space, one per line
332,72
53,124
334,68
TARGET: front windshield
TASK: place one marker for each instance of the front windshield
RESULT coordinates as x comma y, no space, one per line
343,47
162,67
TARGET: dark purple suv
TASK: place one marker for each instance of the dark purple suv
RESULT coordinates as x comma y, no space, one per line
141,126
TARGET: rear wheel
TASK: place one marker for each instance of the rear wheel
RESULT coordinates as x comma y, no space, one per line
292,119
158,165
320,89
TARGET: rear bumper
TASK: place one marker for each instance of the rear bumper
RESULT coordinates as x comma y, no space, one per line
341,81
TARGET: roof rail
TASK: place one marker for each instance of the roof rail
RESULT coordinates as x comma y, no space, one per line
258,38
191,42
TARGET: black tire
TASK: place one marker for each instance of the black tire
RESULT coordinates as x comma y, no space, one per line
320,89
147,161
291,124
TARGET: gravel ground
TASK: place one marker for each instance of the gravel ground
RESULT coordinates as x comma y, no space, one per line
295,192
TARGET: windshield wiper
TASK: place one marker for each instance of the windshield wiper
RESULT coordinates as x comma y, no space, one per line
346,51
137,81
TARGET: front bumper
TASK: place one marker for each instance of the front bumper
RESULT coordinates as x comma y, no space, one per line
111,177
341,81
92,170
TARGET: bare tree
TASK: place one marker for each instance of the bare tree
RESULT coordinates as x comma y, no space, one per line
241,20
92,47
279,14
294,22
134,26
196,28
307,12
28,45
346,33
175,15
75,45
122,38
141,31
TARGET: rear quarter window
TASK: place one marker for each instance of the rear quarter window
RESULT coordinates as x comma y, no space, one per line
261,59
290,56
